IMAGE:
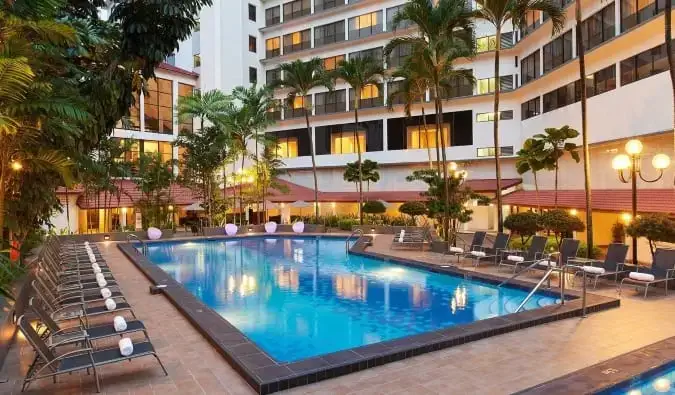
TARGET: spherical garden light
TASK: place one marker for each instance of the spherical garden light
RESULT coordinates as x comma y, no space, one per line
661,161
621,162
634,147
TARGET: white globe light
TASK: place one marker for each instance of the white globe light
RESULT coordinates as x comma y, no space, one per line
660,161
452,166
662,385
621,162
634,147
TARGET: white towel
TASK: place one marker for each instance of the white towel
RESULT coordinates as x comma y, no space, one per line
119,323
126,347
110,304
99,276
105,292
641,276
515,258
92,258
101,282
86,243
96,268
479,254
594,270
457,250
400,238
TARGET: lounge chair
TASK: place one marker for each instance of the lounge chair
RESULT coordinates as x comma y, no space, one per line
411,238
476,245
516,259
612,266
568,250
500,244
48,364
662,270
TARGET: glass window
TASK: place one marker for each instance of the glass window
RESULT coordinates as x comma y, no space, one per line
644,64
320,5
272,47
529,67
373,53
490,116
196,61
370,96
485,85
252,44
487,43
296,108
601,81
418,137
530,108
345,143
287,147
635,12
251,12
133,121
273,16
274,112
187,124
333,62
391,13
557,52
598,28
297,41
330,102
486,152
365,25
272,76
296,9
330,33
252,75
159,106
399,55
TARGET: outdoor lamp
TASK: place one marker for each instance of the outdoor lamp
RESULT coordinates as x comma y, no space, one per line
660,161
452,166
634,147
621,162
106,237
16,166
170,208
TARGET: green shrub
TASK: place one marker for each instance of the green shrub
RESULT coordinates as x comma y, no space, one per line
618,232
525,224
374,207
561,223
347,224
595,253
653,227
413,209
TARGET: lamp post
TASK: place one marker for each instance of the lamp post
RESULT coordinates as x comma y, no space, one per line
631,161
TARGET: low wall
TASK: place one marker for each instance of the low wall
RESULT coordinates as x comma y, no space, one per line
114,236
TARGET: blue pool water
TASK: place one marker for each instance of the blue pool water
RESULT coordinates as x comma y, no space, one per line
299,298
658,381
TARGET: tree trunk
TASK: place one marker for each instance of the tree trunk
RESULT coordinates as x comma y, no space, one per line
555,185
439,130
438,150
426,136
536,187
584,132
241,190
669,51
358,151
257,178
498,171
67,210
311,150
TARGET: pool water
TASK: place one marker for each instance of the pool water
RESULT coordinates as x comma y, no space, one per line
659,381
301,297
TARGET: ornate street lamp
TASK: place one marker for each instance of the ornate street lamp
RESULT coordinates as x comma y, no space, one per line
632,163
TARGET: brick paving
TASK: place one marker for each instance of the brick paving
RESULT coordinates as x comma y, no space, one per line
498,365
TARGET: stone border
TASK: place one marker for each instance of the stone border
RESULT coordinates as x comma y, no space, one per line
266,375
601,378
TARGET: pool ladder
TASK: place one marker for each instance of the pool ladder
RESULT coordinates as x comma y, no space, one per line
144,246
358,231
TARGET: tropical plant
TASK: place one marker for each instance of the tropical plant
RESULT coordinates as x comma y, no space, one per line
270,168
618,233
525,224
501,13
561,224
359,73
414,209
299,78
444,34
210,106
555,146
533,157
374,207
653,227
154,180
369,173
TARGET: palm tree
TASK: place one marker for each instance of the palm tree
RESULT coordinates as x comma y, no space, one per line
554,145
370,172
533,157
498,13
299,78
359,73
445,33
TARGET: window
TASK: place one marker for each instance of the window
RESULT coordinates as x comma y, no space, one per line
159,106
297,41
365,25
530,108
296,109
529,68
287,147
92,219
563,96
391,13
487,85
251,13
272,76
487,43
164,148
344,142
273,16
252,75
487,152
418,137
598,28
320,5
133,121
490,116
187,124
557,52
459,87
272,47
601,81
196,61
330,64
274,112
330,33
398,56
370,96
330,102
531,22
252,44
132,153
643,65
296,9
374,53
635,12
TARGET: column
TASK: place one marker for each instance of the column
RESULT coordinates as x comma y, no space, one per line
385,134
123,217
574,42
617,19
141,108
346,27
384,20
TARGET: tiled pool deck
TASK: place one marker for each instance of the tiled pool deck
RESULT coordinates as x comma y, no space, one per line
498,365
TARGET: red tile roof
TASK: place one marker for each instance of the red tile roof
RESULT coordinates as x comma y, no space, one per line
130,195
615,200
168,67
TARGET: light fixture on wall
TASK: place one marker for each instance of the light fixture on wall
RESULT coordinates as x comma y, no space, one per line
170,208
574,212
106,237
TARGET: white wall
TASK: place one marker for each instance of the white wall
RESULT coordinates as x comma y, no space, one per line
60,220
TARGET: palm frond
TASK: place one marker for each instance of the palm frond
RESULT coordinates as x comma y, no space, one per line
15,77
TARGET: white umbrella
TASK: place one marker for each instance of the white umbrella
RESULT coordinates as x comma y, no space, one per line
196,206
300,204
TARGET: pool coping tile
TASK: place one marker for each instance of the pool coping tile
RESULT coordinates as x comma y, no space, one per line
266,375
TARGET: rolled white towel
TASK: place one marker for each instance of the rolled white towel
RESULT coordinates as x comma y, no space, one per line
456,250
99,276
546,262
478,254
515,258
106,293
594,270
126,347
119,323
110,304
641,276
92,258
400,238
101,282
86,243
96,268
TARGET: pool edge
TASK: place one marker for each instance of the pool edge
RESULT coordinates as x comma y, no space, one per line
265,375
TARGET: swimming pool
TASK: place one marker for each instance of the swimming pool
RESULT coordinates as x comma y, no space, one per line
298,298
657,381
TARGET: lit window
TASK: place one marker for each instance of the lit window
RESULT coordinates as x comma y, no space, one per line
366,20
196,61
419,137
287,147
272,46
296,38
298,102
370,92
345,143
488,43
332,62
489,116
485,85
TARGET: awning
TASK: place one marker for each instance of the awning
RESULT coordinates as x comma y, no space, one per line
613,200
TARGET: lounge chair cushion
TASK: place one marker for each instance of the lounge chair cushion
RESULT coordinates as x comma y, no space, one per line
594,270
641,276
456,250
515,258
547,263
478,253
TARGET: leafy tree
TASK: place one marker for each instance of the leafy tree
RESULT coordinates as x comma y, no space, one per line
154,180
561,223
413,209
533,157
653,227
525,224
501,13
300,78
445,33
270,168
618,233
555,146
208,107
369,173
359,73
374,207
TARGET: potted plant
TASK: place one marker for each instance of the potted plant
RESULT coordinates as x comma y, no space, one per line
618,233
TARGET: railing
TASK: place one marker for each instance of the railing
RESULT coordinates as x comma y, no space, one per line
144,246
355,231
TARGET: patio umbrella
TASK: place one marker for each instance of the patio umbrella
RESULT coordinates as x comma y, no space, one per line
196,206
300,204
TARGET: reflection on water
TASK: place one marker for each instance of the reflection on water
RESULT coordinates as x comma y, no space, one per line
302,298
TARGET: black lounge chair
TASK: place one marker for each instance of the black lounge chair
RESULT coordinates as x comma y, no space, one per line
500,244
476,245
612,266
534,252
662,270
48,364
558,259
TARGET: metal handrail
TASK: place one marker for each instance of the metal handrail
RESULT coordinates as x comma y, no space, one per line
144,249
535,289
355,231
